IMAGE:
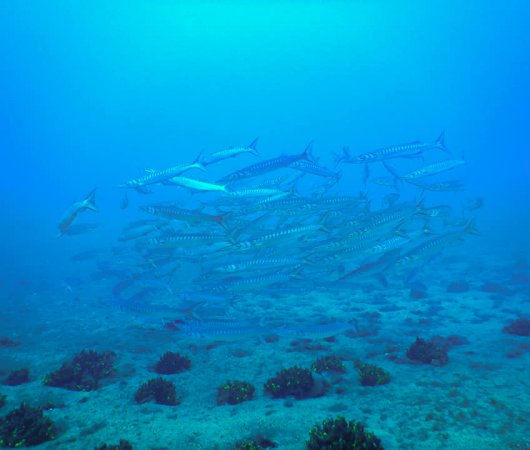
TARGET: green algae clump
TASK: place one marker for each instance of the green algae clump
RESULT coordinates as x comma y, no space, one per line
427,352
24,427
370,375
123,445
340,434
234,392
83,372
294,381
328,364
158,390
171,363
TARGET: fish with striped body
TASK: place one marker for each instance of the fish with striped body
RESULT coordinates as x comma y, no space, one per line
184,240
429,170
185,215
220,329
221,155
409,150
442,186
266,166
435,245
159,176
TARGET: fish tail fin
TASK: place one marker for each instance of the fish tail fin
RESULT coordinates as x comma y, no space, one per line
200,162
293,191
471,229
233,236
420,205
322,222
396,184
308,152
344,156
381,278
366,174
221,219
90,200
296,273
440,142
392,171
427,229
367,206
253,145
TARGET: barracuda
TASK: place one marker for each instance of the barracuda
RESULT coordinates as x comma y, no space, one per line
185,215
443,186
257,264
196,185
220,329
159,176
384,246
240,284
411,149
433,169
313,168
266,166
258,192
184,240
69,216
436,211
435,245
221,155
286,233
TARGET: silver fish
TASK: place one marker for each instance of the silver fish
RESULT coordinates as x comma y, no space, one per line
196,185
88,203
159,176
432,169
215,157
267,166
409,150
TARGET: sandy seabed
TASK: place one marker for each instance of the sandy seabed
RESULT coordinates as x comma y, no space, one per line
479,400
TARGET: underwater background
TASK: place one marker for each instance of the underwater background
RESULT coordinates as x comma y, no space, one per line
93,94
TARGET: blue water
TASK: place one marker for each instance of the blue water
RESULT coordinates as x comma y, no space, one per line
93,93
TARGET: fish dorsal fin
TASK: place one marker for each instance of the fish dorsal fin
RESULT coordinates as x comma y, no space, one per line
253,144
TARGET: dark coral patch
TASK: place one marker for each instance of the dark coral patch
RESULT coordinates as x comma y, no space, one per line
123,445
8,343
427,352
294,381
370,375
519,327
24,427
257,443
17,377
171,363
83,372
342,434
158,390
328,364
458,287
234,392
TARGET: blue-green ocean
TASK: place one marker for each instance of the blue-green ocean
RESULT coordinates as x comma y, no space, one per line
265,224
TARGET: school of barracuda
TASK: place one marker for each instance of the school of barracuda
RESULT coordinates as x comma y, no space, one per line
274,227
